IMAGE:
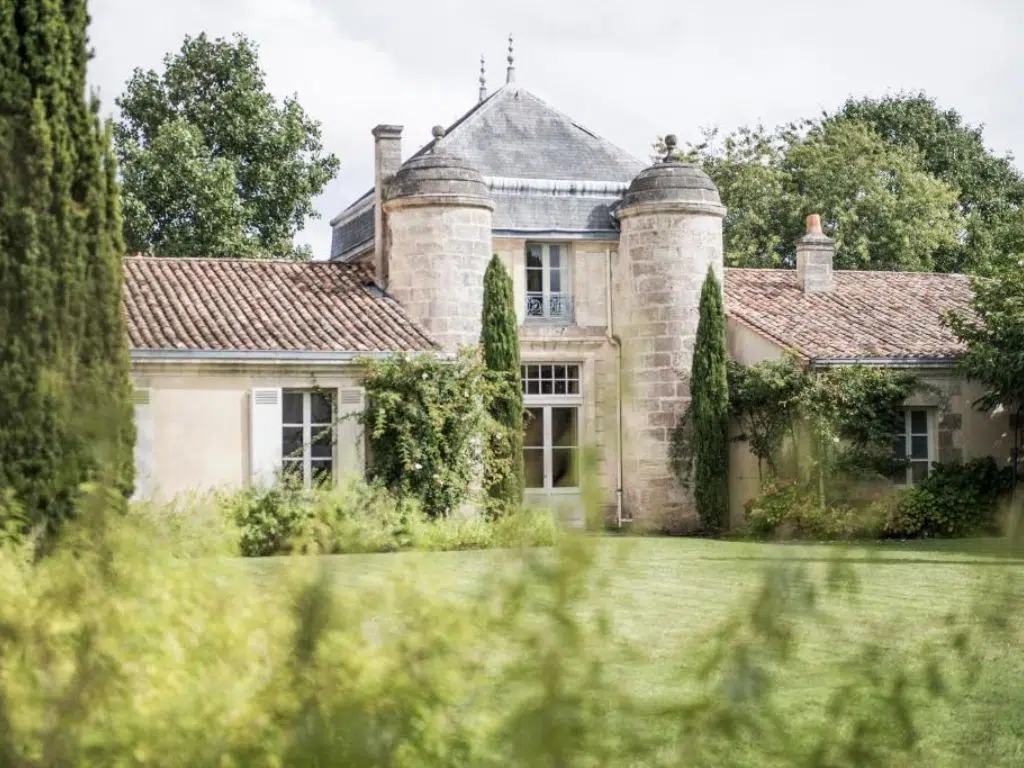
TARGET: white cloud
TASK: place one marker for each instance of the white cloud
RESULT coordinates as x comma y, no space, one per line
629,71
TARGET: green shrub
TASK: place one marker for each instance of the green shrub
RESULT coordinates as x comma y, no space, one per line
356,517
196,525
519,528
792,510
954,500
267,518
430,429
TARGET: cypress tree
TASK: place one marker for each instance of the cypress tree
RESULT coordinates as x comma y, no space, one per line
500,340
64,377
710,408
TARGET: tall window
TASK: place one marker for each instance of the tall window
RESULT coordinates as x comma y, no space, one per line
912,447
307,437
547,282
551,438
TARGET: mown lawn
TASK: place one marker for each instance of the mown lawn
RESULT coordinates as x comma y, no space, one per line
669,593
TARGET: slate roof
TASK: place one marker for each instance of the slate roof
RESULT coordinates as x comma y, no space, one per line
355,235
245,305
893,315
513,134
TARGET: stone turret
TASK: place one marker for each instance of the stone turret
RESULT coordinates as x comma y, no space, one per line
439,243
671,230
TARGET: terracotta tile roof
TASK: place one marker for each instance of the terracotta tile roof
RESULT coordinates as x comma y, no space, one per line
865,315
244,305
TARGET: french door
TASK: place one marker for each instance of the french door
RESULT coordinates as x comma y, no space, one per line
551,447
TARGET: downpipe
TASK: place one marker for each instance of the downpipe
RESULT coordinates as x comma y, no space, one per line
617,344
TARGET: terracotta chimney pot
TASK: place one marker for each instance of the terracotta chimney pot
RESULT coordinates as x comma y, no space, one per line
814,224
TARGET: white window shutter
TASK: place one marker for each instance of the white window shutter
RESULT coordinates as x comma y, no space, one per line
265,435
144,444
350,454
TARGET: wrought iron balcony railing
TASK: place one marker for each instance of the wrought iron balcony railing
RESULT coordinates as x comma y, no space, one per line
549,306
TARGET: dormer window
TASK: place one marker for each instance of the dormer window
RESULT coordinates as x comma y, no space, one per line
548,295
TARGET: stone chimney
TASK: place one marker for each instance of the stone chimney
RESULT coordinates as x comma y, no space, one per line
814,255
387,159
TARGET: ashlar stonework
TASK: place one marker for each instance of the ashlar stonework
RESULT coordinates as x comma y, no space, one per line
439,250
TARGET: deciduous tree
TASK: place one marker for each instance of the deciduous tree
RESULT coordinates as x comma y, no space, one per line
901,183
994,335
990,190
213,165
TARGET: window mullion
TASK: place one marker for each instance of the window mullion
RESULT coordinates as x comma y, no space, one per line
547,448
908,442
545,277
307,440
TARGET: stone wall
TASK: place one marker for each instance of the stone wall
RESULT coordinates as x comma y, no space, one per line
588,273
582,341
438,255
663,259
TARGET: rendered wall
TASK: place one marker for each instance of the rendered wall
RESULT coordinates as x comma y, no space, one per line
960,431
200,422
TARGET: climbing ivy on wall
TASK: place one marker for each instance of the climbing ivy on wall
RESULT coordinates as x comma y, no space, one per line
429,425
834,421
764,402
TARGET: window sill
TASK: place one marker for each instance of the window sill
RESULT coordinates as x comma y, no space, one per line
564,319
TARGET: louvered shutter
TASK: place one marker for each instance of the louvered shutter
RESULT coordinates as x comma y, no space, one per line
265,435
144,445
351,456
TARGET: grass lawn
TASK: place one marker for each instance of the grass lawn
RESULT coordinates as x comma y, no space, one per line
669,591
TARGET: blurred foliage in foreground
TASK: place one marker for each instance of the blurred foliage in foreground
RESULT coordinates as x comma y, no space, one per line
137,643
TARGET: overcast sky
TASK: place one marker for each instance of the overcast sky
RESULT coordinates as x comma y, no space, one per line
627,70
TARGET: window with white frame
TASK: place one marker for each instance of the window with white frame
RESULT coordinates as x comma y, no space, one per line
551,438
548,294
307,437
912,446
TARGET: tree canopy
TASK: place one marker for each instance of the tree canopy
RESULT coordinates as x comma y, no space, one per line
994,335
212,164
901,184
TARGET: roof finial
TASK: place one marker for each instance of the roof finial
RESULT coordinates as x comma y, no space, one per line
483,79
670,148
510,74
438,133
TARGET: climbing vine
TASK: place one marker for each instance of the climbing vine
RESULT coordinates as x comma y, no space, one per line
764,402
430,428
844,417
